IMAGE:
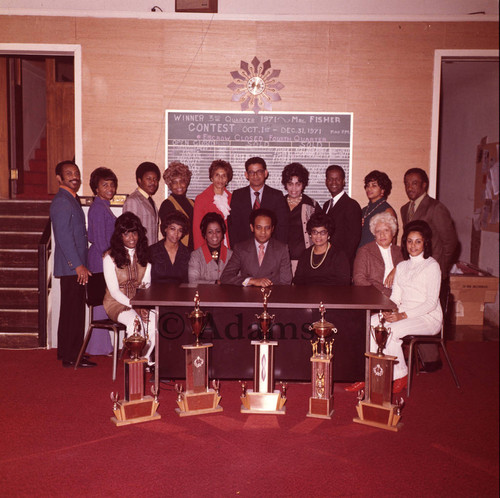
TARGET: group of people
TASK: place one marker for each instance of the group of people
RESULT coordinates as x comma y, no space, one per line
253,236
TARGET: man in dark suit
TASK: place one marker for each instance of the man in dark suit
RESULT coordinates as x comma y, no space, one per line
140,201
70,263
344,212
444,242
261,260
423,207
256,195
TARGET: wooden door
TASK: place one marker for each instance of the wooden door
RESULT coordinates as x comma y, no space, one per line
60,123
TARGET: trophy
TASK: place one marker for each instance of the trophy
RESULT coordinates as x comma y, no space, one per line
263,398
376,409
198,398
135,407
321,401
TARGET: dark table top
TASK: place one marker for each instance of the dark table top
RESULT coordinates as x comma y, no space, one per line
282,296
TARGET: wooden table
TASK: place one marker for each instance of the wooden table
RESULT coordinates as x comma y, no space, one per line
284,300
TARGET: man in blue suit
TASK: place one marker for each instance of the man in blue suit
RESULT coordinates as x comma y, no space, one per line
70,263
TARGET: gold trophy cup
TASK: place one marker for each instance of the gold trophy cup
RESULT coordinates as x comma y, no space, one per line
198,398
321,401
376,409
198,319
263,398
136,407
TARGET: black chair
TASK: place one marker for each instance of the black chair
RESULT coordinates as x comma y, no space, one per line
412,341
94,297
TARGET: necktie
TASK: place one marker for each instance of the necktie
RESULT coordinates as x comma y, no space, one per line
150,199
411,210
261,254
256,204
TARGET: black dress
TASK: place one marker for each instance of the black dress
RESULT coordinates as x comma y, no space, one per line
335,269
297,221
162,269
186,204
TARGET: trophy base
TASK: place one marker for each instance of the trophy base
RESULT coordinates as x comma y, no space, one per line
136,411
320,408
263,403
380,416
198,403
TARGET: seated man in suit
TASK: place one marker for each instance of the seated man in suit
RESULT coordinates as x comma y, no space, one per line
261,260
256,195
140,201
344,212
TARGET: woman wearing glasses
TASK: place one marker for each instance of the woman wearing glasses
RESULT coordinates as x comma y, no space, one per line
322,264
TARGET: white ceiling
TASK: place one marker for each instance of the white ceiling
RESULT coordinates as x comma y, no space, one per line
290,9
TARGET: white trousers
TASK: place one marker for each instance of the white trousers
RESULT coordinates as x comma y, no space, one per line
421,325
128,319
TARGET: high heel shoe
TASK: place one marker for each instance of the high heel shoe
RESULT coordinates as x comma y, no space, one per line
400,384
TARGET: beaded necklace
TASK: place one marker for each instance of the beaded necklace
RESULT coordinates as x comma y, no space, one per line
322,259
293,203
367,213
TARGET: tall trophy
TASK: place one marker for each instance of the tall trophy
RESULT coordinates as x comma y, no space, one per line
321,401
136,407
198,398
263,398
376,409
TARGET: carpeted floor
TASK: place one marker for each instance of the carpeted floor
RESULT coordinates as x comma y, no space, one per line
57,438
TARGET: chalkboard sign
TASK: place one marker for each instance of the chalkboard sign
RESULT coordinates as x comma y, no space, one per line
196,138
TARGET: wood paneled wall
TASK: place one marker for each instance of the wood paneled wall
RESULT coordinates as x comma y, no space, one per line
4,136
134,69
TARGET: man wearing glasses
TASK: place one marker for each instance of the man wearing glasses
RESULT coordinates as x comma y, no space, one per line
256,195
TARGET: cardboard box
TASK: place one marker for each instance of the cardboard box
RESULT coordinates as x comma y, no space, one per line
470,292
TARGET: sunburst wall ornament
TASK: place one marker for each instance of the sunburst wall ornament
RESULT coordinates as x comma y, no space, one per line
256,85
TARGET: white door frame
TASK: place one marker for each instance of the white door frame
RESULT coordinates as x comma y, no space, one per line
76,52
64,50
439,55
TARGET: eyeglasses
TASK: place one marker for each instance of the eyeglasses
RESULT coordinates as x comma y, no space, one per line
319,232
256,173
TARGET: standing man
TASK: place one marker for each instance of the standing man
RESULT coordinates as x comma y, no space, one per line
444,243
260,261
423,207
140,201
255,196
344,212
70,263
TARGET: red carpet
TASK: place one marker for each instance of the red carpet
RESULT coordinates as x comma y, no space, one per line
57,439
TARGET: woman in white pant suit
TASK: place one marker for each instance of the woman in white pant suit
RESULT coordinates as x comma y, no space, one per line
415,292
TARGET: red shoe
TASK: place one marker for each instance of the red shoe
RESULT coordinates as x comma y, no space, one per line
354,388
400,384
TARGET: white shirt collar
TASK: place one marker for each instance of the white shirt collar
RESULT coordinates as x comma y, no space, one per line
337,197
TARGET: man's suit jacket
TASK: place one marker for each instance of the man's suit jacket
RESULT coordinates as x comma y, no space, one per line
369,267
70,234
241,207
138,204
444,235
346,217
244,263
